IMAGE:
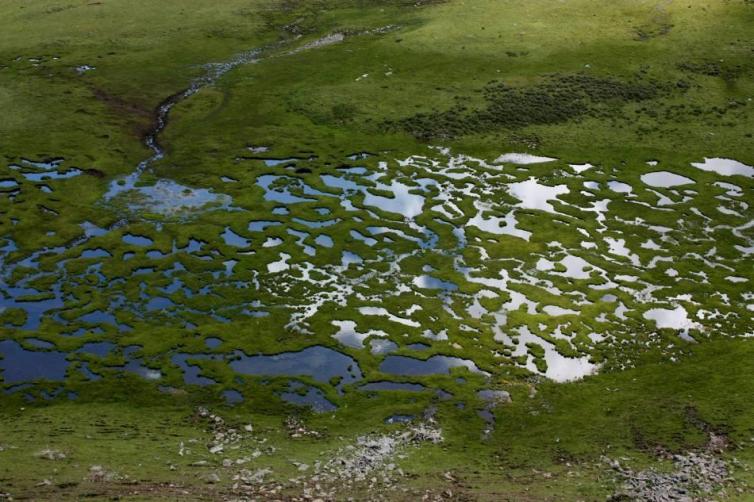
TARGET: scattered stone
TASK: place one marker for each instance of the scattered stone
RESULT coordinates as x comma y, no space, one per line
50,454
297,429
252,478
695,474
97,473
375,453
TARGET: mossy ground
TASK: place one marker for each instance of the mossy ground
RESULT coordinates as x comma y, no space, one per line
614,84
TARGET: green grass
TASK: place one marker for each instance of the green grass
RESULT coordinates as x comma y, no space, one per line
612,83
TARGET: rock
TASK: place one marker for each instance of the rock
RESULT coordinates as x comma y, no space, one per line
49,454
248,428
251,478
212,478
98,473
694,472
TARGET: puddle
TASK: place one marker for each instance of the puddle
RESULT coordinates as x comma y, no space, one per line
272,242
665,179
379,311
277,189
166,197
575,267
404,203
260,226
139,369
381,347
279,266
318,362
19,365
191,369
270,162
349,258
324,241
313,398
435,365
359,156
316,224
494,224
619,187
592,185
725,167
45,170
158,303
580,168
535,196
137,240
39,344
559,367
522,159
95,253
213,343
232,397
401,201
674,319
429,282
348,336
618,247
233,239
555,311
393,386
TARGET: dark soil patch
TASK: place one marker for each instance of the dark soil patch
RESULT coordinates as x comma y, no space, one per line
94,172
132,111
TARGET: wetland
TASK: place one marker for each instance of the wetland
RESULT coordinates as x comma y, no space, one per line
382,250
